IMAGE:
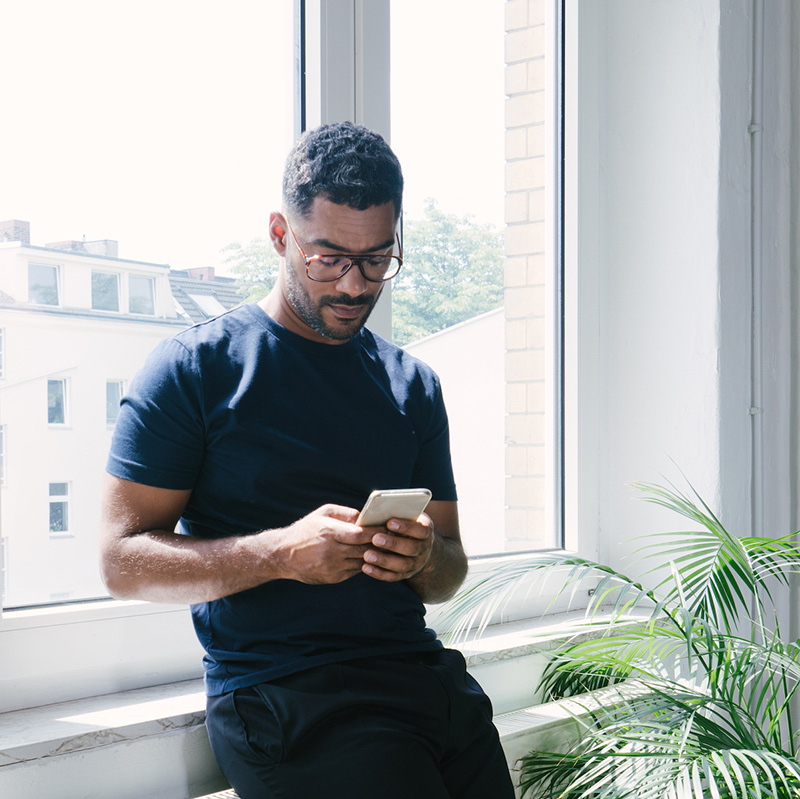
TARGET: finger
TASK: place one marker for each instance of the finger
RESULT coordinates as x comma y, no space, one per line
341,512
385,575
396,564
401,545
421,528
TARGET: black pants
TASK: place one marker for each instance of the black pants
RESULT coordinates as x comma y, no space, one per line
418,727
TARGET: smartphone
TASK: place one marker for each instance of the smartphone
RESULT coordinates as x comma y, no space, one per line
393,503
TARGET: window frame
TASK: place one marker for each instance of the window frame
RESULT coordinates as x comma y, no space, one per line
116,276
110,642
62,381
59,499
151,281
59,289
121,385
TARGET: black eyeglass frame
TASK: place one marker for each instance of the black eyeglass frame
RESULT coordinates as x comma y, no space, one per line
355,260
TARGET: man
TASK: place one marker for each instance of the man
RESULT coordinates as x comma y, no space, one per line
261,433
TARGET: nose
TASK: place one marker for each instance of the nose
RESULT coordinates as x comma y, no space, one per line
352,282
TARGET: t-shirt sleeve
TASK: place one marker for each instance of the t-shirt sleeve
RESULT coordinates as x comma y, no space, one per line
434,468
158,437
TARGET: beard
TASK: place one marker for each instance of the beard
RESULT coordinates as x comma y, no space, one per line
310,311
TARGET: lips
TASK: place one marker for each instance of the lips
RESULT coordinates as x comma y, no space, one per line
347,311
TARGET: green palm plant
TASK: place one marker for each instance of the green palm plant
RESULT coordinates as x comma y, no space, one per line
696,683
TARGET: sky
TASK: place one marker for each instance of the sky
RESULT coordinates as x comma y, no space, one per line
164,124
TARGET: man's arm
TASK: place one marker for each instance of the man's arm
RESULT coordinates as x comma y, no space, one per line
427,553
143,558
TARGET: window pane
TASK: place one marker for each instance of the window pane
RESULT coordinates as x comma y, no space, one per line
165,159
58,517
141,295
113,396
56,413
475,298
105,292
43,284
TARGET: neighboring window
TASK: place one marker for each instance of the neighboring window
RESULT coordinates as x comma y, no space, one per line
476,299
56,401
3,567
43,284
141,291
113,397
59,508
105,291
208,304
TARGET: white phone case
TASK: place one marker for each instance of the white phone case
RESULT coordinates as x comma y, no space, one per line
395,503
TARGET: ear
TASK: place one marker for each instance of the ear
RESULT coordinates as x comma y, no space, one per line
278,232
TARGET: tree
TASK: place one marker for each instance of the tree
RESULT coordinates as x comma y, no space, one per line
453,270
256,266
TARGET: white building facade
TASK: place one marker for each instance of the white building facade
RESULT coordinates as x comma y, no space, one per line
76,323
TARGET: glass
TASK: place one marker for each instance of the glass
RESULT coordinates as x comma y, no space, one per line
113,397
43,284
141,296
147,160
56,404
59,508
327,268
105,291
477,299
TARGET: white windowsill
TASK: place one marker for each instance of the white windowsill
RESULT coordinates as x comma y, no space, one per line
117,730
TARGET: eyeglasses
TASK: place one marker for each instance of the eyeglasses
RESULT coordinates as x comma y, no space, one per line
327,268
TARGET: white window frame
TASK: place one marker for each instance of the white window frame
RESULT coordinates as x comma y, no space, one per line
2,455
116,277
64,398
60,499
106,646
152,281
57,269
121,384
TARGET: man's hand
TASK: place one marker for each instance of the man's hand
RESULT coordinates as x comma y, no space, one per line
399,551
326,546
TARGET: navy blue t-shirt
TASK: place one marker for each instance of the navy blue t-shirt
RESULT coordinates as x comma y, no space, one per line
265,426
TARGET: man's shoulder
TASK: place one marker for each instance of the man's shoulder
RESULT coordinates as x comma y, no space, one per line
399,363
238,320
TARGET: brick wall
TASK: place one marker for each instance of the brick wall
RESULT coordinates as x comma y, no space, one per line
525,275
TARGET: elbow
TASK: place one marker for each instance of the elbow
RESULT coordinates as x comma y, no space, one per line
116,578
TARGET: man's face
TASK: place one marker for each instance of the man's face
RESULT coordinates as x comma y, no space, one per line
334,311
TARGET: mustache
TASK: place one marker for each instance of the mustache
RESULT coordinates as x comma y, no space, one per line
345,299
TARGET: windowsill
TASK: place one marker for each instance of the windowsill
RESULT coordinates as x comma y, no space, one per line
87,724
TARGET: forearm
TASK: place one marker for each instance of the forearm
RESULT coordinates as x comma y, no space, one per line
444,572
161,566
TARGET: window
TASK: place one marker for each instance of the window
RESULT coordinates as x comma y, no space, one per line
93,194
113,397
105,291
59,508
254,41
141,291
490,200
56,401
208,304
43,284
3,566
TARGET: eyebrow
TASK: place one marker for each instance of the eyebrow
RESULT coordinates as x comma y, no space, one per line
331,246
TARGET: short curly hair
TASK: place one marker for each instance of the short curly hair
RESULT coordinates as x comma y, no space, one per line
345,163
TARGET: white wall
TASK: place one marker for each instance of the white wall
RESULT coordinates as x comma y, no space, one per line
469,361
663,240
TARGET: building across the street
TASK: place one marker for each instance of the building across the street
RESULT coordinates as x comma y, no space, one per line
76,322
